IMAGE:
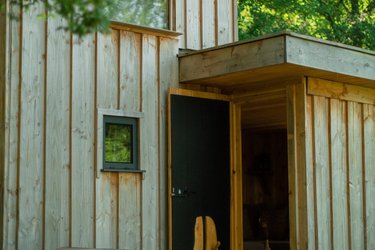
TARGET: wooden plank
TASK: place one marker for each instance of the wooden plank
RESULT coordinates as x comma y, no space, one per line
310,173
82,166
192,24
130,184
57,201
317,54
135,28
168,78
217,62
180,17
130,211
149,143
355,175
224,21
236,217
4,115
10,233
208,23
198,234
107,98
341,91
339,175
321,111
369,159
31,176
199,94
130,58
298,217
211,241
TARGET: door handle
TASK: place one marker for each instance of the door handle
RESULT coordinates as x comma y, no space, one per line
179,192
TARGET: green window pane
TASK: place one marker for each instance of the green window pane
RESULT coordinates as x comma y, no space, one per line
152,13
118,143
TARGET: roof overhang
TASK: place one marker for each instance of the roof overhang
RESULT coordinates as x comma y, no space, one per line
277,57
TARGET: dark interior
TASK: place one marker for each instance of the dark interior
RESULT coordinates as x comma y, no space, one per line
265,189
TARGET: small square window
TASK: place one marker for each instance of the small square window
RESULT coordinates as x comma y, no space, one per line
120,143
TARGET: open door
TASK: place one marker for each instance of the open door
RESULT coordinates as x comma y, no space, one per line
200,166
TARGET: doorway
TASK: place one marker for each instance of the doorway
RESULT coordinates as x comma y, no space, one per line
265,170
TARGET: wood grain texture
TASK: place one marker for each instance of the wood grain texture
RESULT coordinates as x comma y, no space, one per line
129,196
339,175
180,18
192,24
57,170
328,57
341,91
355,175
130,48
31,177
321,114
107,98
130,211
4,114
208,23
168,78
369,159
310,173
83,109
149,143
225,21
10,229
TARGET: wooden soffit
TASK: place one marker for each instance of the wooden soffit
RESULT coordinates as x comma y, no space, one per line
277,57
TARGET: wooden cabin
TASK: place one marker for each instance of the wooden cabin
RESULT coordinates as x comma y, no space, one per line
273,137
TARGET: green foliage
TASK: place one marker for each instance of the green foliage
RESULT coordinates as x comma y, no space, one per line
117,143
348,21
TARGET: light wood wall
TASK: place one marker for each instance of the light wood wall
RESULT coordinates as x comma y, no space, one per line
54,197
340,166
204,23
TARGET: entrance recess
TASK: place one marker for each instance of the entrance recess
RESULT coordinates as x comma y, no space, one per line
200,165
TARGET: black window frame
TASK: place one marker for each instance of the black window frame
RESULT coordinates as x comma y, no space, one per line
128,121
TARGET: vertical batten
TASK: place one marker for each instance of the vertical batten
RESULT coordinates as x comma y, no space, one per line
30,225
369,160
83,142
129,197
355,175
168,78
208,23
10,233
148,144
339,175
192,24
57,137
321,110
107,98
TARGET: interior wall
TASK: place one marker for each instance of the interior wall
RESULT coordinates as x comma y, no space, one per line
205,23
265,184
340,169
54,195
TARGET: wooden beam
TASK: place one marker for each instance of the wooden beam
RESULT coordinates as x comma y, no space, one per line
340,91
232,59
322,56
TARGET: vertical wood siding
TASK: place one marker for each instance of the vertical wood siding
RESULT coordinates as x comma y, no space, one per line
54,195
340,173
205,23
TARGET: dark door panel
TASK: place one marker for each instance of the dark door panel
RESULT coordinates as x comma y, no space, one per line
200,168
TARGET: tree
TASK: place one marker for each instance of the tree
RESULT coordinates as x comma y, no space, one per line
347,21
